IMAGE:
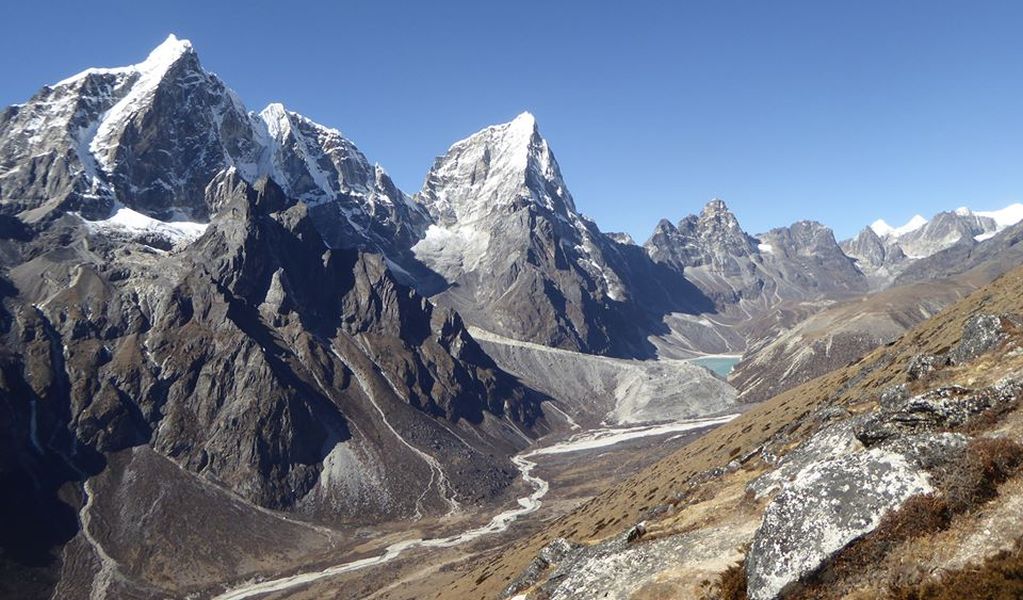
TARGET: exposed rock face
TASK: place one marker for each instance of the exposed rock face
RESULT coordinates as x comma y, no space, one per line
516,256
830,504
549,556
712,238
924,364
867,249
884,252
621,238
943,231
990,257
735,269
807,255
838,485
354,203
151,135
617,569
946,407
982,334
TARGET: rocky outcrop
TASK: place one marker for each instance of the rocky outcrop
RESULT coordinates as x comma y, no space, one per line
798,262
982,334
548,557
839,484
938,409
830,503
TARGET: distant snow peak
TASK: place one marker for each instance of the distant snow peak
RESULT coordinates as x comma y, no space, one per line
524,120
275,116
135,224
158,62
1005,217
883,229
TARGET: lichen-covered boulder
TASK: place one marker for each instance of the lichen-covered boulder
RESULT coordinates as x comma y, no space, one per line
832,441
941,408
924,364
981,334
551,554
832,503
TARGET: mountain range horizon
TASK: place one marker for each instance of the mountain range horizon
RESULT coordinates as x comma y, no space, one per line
237,360
173,40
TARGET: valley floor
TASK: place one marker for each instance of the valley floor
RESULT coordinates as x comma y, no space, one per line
558,476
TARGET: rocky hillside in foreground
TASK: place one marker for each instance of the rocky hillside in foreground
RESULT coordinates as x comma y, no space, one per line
927,432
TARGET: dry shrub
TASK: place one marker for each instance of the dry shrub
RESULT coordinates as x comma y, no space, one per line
731,585
998,578
974,478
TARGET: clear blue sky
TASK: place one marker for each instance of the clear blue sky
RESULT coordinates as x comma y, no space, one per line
837,111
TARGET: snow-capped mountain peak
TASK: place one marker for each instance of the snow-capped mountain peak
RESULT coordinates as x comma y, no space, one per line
275,116
1005,217
525,121
159,60
500,164
883,229
150,137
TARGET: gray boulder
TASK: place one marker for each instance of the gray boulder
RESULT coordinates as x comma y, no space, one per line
831,504
981,334
942,408
548,556
924,364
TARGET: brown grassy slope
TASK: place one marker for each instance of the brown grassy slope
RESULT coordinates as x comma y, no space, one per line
623,505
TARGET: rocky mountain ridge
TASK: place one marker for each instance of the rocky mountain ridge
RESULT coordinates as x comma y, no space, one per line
883,252
493,230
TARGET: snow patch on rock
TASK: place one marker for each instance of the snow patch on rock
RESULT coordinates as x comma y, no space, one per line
135,224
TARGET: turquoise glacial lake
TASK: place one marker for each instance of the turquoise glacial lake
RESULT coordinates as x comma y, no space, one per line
722,365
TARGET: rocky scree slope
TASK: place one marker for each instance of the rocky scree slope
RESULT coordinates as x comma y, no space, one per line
909,420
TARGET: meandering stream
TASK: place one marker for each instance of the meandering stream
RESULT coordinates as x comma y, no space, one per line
597,438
